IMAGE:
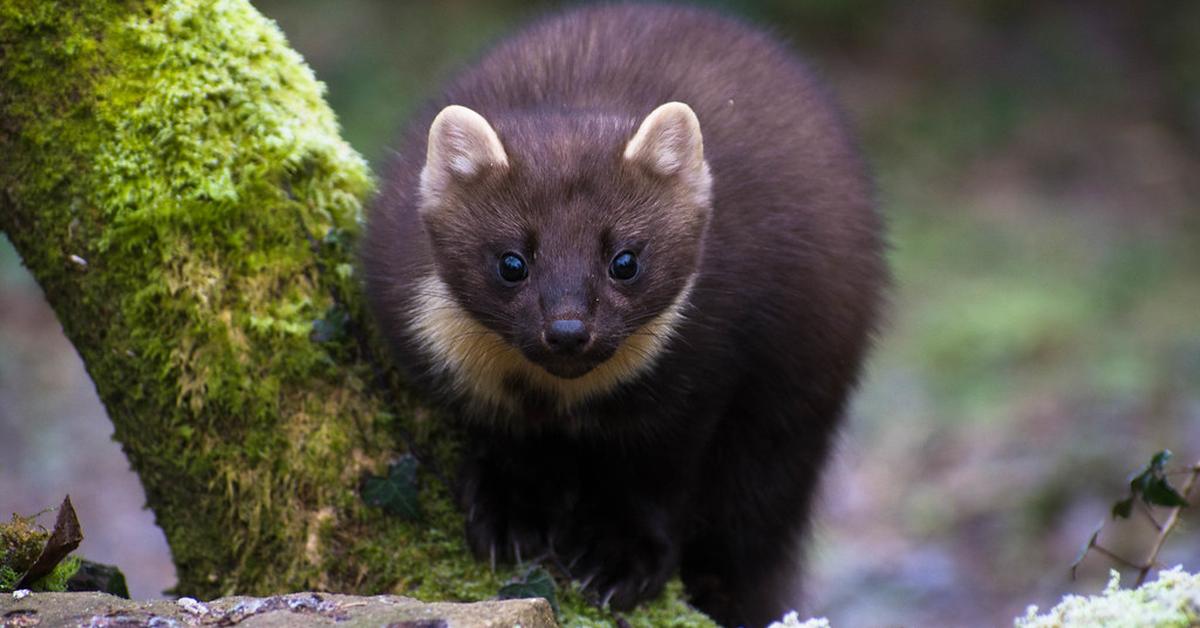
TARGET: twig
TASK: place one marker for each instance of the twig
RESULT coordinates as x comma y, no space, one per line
1100,549
1169,525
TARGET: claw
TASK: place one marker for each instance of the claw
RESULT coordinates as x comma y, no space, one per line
492,556
583,584
608,596
517,550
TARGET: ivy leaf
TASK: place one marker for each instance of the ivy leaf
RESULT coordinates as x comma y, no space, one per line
1122,508
1159,460
396,493
1151,484
537,583
336,239
1087,547
1142,479
332,326
1161,493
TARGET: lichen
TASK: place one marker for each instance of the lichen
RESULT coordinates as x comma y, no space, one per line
1171,600
792,620
177,186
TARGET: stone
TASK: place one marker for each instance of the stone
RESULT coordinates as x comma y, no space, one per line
101,610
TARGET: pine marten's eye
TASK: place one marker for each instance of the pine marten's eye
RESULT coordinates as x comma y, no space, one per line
624,266
512,267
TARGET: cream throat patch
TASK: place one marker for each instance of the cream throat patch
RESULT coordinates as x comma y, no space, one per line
478,361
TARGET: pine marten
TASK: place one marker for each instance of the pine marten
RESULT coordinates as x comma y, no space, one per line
634,248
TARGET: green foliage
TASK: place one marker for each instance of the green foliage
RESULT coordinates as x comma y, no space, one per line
395,493
536,583
332,326
669,609
1152,486
57,579
8,578
21,543
1172,600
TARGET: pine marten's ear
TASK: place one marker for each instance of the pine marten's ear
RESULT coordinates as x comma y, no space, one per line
668,142
462,146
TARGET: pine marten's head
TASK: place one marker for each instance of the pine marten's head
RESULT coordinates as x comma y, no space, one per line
565,248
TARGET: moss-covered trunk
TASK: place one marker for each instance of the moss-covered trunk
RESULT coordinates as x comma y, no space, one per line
173,180
172,177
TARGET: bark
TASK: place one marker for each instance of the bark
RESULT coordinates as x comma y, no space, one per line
170,174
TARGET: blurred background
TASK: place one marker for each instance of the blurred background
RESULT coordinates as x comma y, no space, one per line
1039,165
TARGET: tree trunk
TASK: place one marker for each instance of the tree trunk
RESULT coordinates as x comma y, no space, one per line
172,177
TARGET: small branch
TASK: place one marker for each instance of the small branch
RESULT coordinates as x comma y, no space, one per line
1183,470
1103,551
1165,530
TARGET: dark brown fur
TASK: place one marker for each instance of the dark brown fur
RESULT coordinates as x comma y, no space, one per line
709,460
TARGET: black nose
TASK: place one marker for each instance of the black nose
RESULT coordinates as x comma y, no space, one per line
567,336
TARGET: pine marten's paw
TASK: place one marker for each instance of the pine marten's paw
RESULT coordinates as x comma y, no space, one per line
623,555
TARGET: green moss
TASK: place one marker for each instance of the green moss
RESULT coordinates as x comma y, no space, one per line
177,185
1171,600
183,152
21,542
57,579
667,610
8,578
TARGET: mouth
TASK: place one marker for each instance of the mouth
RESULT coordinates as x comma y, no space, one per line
570,366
